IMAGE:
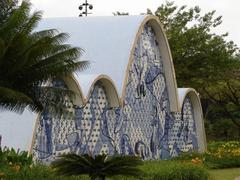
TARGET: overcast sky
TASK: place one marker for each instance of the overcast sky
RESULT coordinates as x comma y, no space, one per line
229,9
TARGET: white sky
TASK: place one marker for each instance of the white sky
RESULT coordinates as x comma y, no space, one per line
229,9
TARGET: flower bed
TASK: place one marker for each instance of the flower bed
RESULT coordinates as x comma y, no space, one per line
219,155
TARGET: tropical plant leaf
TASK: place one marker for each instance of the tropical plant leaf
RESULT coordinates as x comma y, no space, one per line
100,166
29,59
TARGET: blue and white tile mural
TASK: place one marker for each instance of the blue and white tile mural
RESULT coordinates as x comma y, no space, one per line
144,126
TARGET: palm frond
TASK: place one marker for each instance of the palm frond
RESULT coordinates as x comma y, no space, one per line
15,21
98,166
29,59
32,22
13,100
72,164
123,165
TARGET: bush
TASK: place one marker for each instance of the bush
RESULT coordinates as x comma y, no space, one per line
173,170
223,154
38,172
152,170
18,165
219,155
222,129
170,170
13,162
190,156
15,158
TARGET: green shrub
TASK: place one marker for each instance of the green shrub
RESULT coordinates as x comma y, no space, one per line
188,166
222,129
189,156
173,170
219,155
170,170
12,162
13,157
222,162
225,146
37,172
223,154
152,170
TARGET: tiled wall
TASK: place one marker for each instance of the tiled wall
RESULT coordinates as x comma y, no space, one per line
143,126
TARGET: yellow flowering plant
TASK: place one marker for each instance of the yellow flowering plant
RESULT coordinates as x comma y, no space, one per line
219,155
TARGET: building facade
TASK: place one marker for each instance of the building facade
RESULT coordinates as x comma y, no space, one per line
128,101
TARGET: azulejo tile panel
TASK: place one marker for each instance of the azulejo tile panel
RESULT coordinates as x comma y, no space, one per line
144,126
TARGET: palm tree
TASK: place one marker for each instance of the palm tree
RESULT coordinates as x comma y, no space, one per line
98,167
29,59
6,9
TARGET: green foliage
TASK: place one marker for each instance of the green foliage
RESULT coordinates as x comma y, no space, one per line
18,166
223,129
12,157
12,162
29,59
223,145
6,9
198,54
38,172
204,60
173,170
219,155
161,170
223,154
189,156
98,167
226,161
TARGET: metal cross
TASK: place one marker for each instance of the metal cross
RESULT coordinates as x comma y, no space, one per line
84,8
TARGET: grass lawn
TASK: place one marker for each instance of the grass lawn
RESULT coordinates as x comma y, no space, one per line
225,174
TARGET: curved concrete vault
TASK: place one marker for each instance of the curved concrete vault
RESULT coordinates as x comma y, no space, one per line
127,101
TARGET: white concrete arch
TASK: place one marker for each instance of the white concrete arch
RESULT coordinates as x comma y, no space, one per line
109,87
74,86
166,57
109,43
18,130
106,41
198,114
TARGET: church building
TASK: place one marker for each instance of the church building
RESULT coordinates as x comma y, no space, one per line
127,101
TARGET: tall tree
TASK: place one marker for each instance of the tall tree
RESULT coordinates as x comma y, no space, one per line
29,59
203,59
